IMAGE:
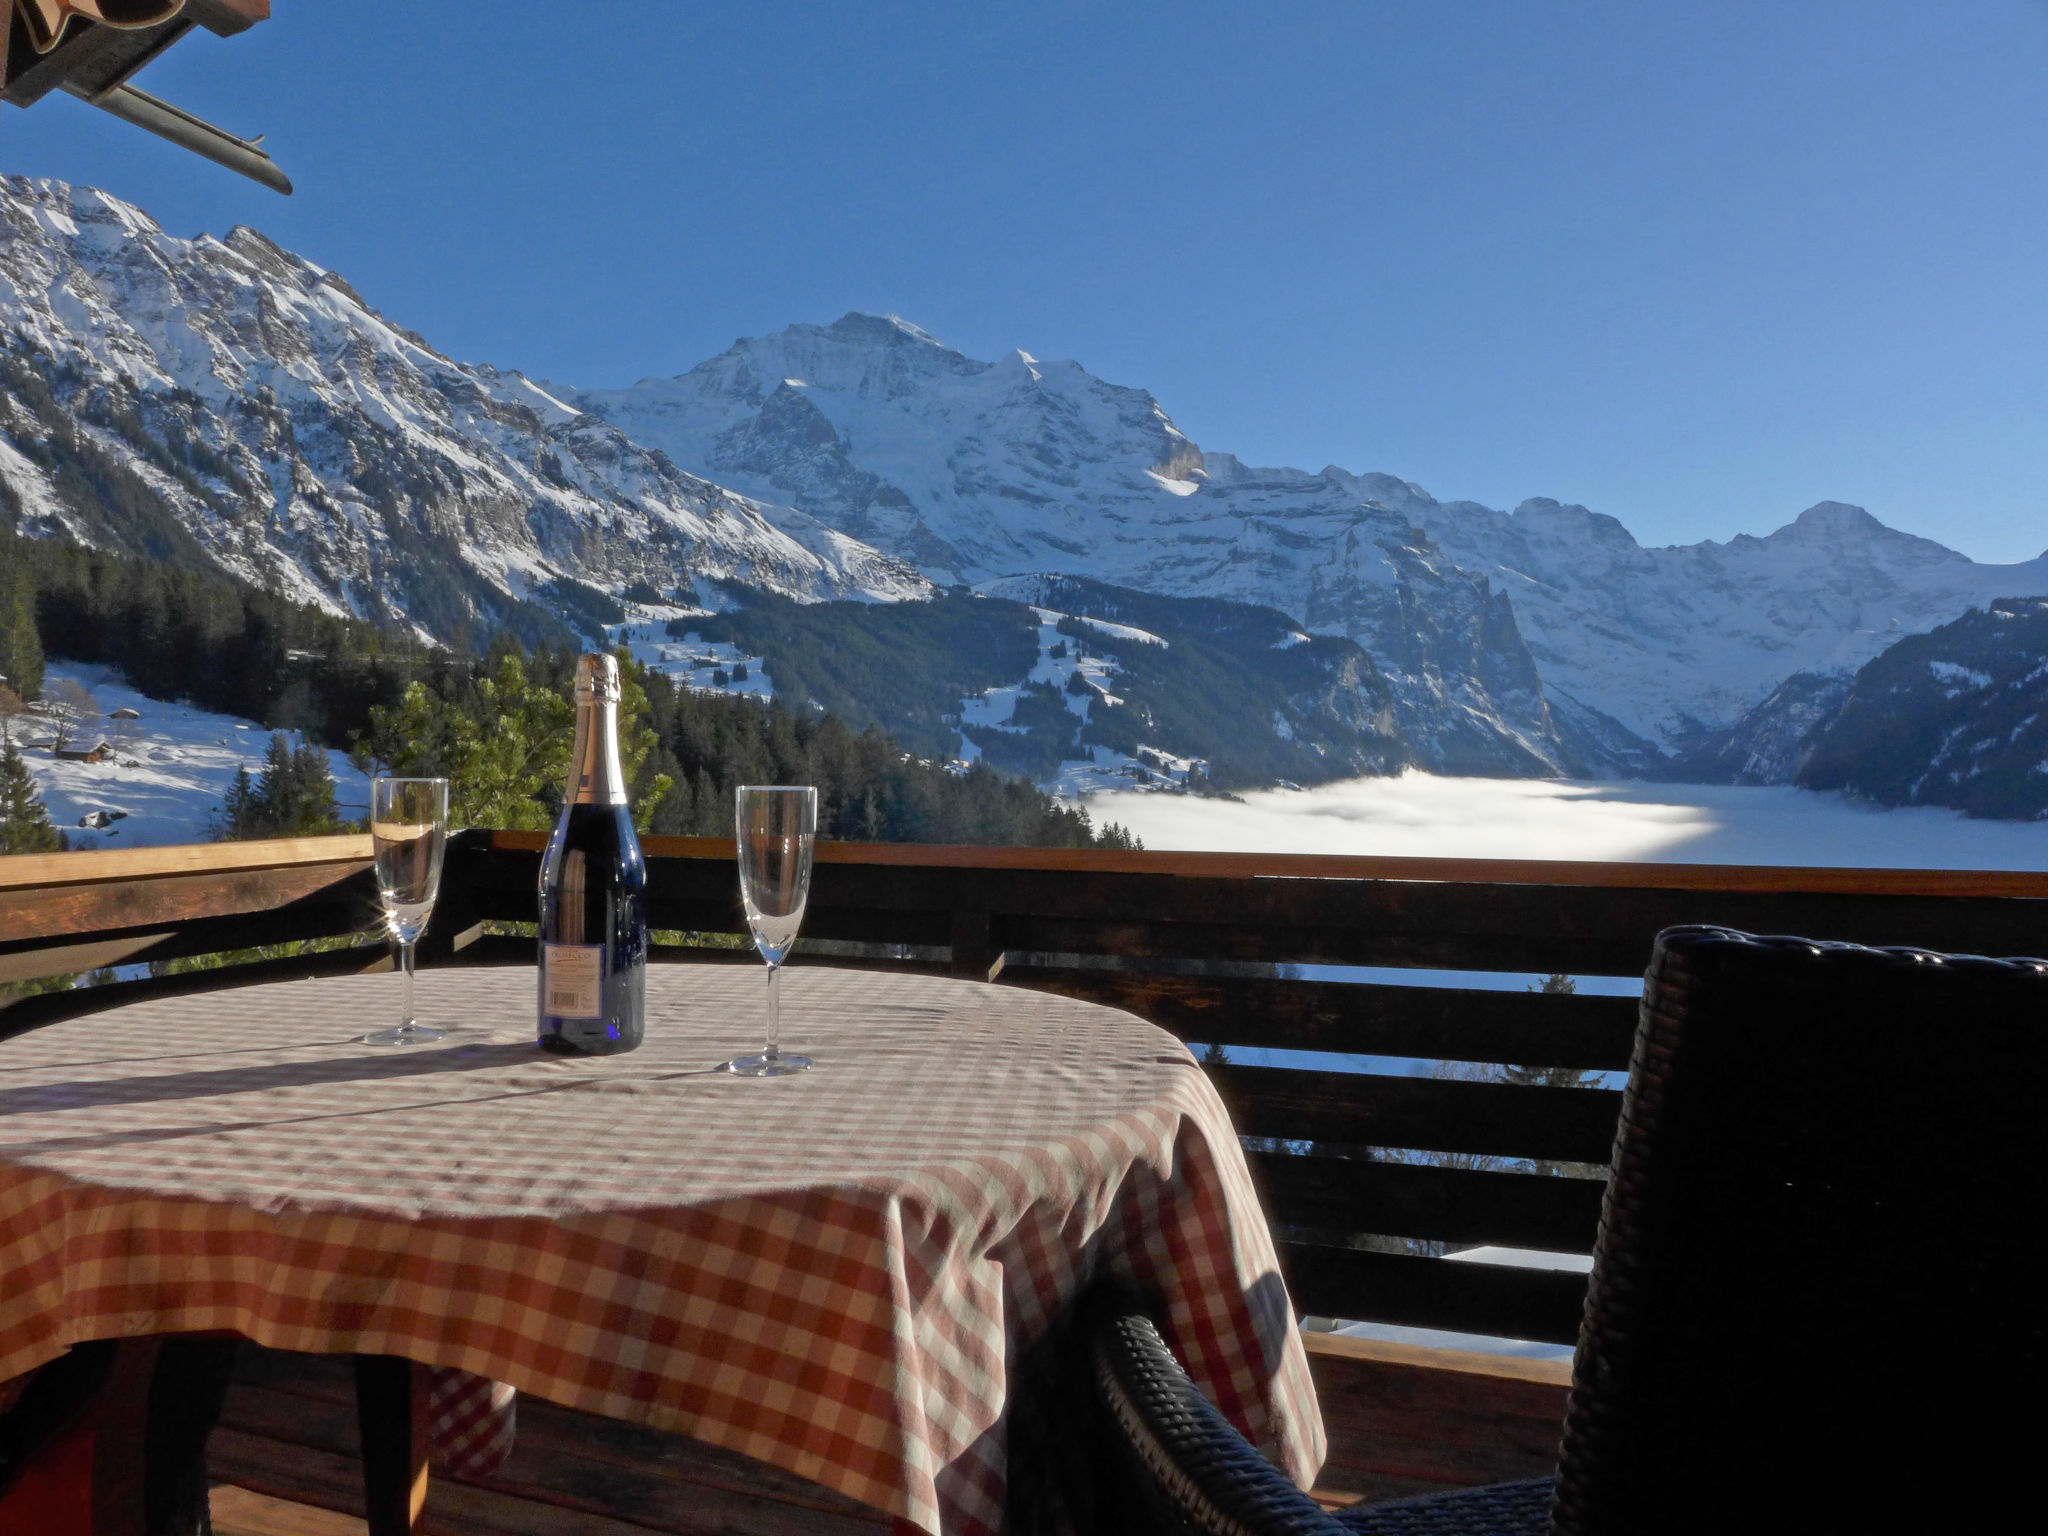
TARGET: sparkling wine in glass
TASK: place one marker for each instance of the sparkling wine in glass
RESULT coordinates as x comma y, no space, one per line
776,825
409,828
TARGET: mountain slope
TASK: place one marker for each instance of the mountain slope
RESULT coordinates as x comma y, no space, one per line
1531,641
981,471
228,400
1956,717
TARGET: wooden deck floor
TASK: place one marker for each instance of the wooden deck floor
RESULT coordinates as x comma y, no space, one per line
285,1459
288,1452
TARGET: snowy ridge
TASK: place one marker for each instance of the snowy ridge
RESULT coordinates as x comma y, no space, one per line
306,442
1521,642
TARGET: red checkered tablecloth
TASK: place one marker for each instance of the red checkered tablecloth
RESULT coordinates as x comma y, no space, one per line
833,1272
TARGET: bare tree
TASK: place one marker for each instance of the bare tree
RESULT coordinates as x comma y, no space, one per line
71,711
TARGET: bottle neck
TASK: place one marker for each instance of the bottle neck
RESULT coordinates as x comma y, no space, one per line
594,774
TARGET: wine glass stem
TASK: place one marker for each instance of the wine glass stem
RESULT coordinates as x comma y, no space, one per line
405,958
774,1016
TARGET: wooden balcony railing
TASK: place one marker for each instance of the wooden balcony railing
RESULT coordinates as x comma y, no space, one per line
1363,1174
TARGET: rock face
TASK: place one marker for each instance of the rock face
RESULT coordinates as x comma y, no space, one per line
1541,640
230,398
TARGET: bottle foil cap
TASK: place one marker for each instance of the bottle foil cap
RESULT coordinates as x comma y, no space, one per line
597,679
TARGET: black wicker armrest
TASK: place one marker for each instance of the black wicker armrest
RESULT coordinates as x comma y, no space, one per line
1190,1470
1183,1468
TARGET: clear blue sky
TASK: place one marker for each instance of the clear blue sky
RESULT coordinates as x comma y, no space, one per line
1696,265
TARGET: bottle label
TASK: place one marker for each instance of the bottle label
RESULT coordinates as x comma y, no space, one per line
572,986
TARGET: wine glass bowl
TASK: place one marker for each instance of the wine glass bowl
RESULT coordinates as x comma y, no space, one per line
409,834
776,826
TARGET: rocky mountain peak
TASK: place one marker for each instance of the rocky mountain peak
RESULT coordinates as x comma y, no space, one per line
248,398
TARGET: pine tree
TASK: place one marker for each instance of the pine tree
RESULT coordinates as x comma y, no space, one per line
236,819
294,797
21,648
24,825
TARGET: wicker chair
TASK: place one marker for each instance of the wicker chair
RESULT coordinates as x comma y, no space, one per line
1817,1297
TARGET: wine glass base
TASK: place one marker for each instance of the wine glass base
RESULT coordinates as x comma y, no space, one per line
768,1066
404,1034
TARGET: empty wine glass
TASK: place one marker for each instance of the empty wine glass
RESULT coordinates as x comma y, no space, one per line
409,829
776,826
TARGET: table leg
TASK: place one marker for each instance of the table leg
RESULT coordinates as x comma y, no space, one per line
120,1439
391,1408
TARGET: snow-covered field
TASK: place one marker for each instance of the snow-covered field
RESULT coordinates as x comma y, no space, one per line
1420,814
1060,659
691,660
169,770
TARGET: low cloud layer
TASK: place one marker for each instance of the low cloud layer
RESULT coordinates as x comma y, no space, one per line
1420,814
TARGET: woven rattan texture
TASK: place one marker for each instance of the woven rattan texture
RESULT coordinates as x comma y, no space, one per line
1816,1301
832,1272
1183,1468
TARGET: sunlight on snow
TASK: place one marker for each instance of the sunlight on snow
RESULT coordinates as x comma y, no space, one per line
1421,814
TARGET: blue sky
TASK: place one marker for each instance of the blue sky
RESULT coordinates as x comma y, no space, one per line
1694,265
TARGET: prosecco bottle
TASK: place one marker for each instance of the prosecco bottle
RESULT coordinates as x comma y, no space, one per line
593,890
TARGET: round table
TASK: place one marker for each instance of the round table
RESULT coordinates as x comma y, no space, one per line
833,1272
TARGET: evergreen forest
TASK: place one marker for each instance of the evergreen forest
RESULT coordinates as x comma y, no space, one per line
499,724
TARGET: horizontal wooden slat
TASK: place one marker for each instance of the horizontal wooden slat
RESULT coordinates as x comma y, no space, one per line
25,869
1498,1300
62,959
1433,1023
331,914
112,906
1368,1109
1099,861
243,1512
1465,1206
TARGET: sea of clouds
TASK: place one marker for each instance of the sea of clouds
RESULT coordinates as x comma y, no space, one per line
1421,814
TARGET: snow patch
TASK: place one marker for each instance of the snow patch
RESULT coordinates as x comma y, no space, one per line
1964,679
169,770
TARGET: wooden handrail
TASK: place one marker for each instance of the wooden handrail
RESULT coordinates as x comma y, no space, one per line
35,869
1758,879
32,869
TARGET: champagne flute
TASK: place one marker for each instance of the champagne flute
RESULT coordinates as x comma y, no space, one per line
409,829
776,826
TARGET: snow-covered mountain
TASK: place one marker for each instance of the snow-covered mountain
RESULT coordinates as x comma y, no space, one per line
155,389
226,401
1542,637
982,471
1955,717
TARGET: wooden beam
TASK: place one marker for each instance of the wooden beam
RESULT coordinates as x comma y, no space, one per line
1799,879
1498,1300
1431,1023
62,959
115,906
225,18
1566,1125
54,869
1454,1205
